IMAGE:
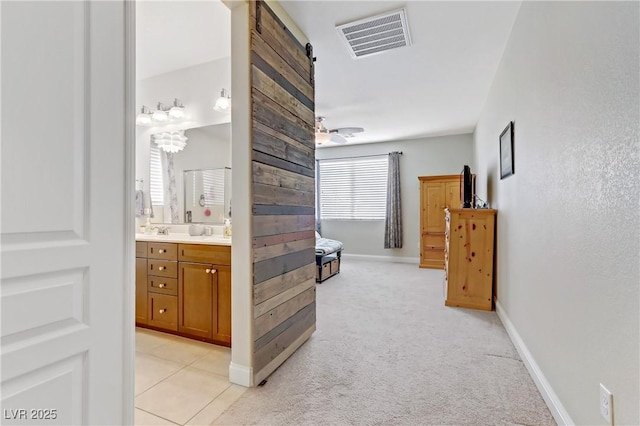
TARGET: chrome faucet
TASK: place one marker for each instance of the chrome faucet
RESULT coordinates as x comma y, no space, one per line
163,230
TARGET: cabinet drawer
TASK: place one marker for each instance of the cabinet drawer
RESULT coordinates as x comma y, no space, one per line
202,253
162,268
163,285
163,311
141,249
166,251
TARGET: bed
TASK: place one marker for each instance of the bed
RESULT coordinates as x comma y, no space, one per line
328,253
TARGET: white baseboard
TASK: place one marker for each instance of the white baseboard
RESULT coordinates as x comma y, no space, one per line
544,387
241,375
396,259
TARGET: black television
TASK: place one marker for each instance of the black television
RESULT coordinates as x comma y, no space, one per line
467,188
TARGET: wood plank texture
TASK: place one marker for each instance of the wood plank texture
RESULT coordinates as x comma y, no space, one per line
269,252
264,209
277,300
282,224
279,344
271,114
281,283
283,326
269,83
283,164
276,35
282,238
269,175
281,313
270,268
267,194
275,61
295,152
283,190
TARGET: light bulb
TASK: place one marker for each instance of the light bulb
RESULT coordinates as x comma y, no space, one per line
322,137
223,102
176,112
159,116
143,119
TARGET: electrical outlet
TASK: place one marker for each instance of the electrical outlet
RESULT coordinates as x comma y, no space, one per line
606,404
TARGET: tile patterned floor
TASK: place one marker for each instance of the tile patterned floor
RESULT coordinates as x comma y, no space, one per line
181,381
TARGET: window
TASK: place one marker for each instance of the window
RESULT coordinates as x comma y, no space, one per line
208,187
353,188
155,176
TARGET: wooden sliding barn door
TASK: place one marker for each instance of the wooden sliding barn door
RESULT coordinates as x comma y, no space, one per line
283,187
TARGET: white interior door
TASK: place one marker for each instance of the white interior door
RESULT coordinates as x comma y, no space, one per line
66,265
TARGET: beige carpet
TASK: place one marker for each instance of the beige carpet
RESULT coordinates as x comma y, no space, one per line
388,352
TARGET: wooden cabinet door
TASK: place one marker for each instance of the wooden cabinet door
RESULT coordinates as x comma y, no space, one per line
452,195
195,296
434,204
141,290
222,304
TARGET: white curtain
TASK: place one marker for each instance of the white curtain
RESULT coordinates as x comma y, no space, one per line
393,219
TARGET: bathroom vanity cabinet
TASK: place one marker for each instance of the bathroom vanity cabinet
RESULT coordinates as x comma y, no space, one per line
187,288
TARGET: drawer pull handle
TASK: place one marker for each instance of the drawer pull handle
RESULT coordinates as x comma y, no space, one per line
161,251
161,285
162,311
207,270
161,268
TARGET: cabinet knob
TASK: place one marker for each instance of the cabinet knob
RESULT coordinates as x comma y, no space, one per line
162,311
161,268
161,251
162,285
213,271
207,270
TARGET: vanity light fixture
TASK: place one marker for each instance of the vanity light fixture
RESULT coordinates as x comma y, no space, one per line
223,102
177,110
160,114
171,141
144,118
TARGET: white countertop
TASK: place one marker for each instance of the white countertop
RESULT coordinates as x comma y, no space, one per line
214,240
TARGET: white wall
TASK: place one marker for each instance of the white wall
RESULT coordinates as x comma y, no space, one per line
421,157
568,219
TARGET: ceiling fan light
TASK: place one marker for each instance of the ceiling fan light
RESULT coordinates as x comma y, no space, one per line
322,137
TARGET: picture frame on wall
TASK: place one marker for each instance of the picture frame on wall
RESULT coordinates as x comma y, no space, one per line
506,152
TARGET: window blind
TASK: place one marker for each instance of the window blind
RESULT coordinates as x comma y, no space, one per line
353,188
209,183
156,186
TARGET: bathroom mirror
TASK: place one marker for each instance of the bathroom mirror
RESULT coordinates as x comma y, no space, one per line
206,195
201,168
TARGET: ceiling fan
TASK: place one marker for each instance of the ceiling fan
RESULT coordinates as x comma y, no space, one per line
338,135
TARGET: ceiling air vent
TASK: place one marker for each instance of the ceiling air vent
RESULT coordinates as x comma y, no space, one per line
376,34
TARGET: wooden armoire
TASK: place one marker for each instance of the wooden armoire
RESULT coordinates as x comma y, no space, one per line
436,194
